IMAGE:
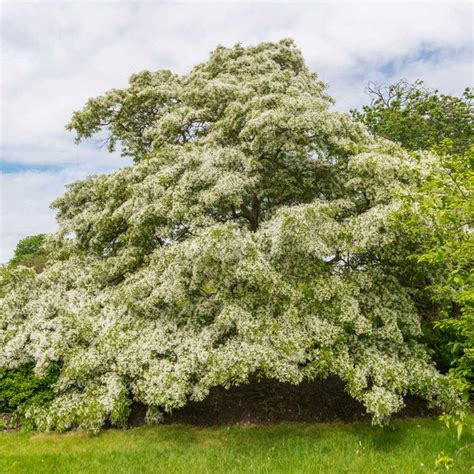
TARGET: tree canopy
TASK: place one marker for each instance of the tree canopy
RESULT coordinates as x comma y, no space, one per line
252,236
30,252
417,117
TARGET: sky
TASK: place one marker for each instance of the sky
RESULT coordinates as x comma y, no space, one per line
55,55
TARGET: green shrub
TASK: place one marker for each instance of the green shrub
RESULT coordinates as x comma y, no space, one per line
20,388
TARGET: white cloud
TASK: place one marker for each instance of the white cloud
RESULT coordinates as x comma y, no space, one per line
56,55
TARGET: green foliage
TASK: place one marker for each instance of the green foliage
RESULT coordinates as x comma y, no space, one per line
30,252
418,118
20,388
440,218
444,461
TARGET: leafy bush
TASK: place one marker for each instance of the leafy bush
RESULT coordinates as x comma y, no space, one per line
20,388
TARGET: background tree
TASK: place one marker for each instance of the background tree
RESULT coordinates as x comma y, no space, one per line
419,118
30,252
245,240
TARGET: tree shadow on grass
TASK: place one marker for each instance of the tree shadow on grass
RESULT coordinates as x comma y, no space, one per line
268,401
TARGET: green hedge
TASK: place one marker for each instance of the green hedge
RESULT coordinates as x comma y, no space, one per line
21,387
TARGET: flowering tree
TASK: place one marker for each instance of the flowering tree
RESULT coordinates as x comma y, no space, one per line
245,240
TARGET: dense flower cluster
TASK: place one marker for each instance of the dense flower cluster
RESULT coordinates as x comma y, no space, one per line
244,240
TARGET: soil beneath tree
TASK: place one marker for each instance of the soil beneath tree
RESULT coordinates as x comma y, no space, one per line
269,401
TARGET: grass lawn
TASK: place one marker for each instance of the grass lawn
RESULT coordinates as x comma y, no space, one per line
410,446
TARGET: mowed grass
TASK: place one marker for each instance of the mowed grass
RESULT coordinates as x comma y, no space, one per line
409,446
